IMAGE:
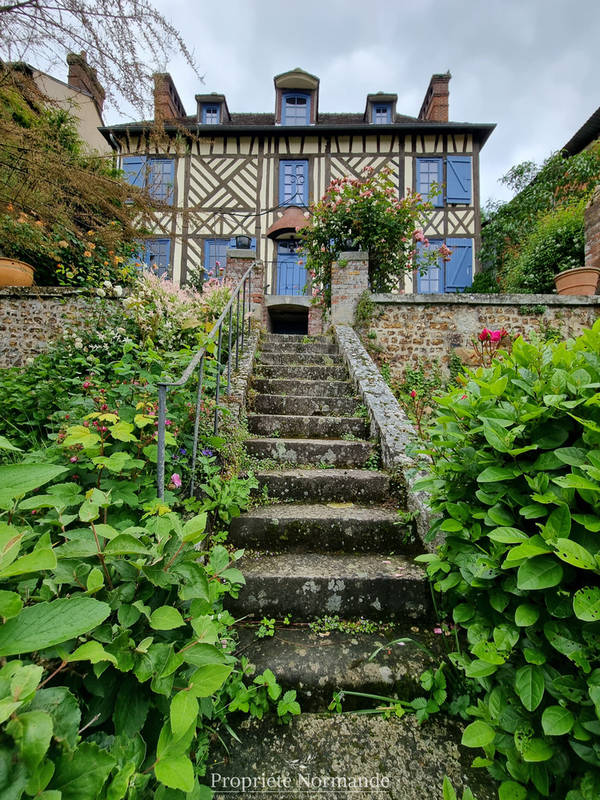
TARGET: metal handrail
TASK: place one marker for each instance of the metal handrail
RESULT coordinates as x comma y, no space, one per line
244,288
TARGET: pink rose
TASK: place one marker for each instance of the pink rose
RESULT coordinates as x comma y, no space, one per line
176,480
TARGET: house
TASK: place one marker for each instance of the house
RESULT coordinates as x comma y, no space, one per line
82,96
243,180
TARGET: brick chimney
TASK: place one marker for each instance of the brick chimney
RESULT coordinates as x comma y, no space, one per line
84,78
167,103
435,104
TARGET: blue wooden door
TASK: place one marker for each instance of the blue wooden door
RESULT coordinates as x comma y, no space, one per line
291,276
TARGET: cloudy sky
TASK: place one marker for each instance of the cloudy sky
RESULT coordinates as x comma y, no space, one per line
531,66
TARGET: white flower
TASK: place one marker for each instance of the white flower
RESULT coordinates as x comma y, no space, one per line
78,344
108,284
29,360
118,290
121,331
100,292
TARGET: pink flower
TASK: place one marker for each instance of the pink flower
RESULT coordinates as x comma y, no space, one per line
176,480
464,397
73,459
86,384
495,336
217,263
485,335
413,394
437,630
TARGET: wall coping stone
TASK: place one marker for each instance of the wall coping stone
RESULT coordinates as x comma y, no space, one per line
238,253
389,424
487,299
46,291
353,255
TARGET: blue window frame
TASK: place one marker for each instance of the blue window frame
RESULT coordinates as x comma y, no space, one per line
429,171
155,256
382,113
453,275
156,174
293,183
211,114
295,108
215,256
458,179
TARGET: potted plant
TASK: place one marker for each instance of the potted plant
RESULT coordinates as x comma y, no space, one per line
18,237
578,280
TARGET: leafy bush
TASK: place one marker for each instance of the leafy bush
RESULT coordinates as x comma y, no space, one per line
556,243
515,481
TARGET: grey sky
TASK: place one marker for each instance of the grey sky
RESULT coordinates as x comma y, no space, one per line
531,66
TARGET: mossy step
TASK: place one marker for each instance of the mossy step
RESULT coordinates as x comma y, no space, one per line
295,337
322,528
307,388
311,585
305,406
318,664
303,358
326,485
319,755
307,427
314,372
332,452
275,346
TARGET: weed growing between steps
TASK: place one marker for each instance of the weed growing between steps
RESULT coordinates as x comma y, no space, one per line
516,481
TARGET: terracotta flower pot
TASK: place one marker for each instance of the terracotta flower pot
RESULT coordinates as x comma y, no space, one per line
15,273
581,280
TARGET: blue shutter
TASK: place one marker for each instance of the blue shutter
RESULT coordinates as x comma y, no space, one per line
293,183
458,179
429,282
158,256
161,178
430,170
134,170
459,269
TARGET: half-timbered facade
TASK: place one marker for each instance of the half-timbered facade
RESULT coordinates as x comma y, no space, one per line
244,180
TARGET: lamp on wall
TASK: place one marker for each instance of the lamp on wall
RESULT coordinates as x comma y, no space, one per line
243,242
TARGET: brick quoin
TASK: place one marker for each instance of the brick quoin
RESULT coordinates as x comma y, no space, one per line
592,231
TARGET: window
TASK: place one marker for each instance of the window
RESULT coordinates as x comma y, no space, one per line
454,275
458,179
382,113
215,256
156,174
210,114
293,183
295,109
155,256
429,172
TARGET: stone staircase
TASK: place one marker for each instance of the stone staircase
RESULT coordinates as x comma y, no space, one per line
328,541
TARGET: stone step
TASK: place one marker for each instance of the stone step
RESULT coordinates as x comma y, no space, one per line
311,585
317,665
291,426
295,337
305,406
306,357
363,757
315,372
321,528
298,347
307,388
333,452
326,485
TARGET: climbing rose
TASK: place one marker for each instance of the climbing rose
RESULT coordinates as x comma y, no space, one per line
496,336
176,480
485,335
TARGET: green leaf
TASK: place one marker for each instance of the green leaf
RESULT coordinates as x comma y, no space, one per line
46,624
494,474
507,535
35,732
206,680
541,572
529,685
95,580
176,772
25,681
559,523
586,604
10,604
89,511
575,554
573,481
79,434
448,792
480,669
183,712
511,790
166,618
36,561
17,480
125,544
122,431
537,750
526,615
556,721
478,734
82,774
194,529
6,445
91,651
64,710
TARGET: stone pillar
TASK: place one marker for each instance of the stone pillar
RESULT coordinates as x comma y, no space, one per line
238,263
349,279
592,231
315,320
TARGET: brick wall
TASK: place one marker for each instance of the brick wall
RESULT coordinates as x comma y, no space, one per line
31,318
428,328
349,279
592,231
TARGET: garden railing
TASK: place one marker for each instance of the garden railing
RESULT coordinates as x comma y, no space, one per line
241,298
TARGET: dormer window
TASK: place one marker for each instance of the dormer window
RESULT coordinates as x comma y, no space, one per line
210,114
296,108
382,113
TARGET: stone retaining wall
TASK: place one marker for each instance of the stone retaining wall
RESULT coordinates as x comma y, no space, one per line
413,329
31,318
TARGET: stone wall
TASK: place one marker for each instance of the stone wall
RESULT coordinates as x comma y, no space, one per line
426,328
31,318
592,231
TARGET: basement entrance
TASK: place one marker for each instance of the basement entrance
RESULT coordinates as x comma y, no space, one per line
288,318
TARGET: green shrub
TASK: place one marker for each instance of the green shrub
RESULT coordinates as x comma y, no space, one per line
516,484
556,243
485,282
